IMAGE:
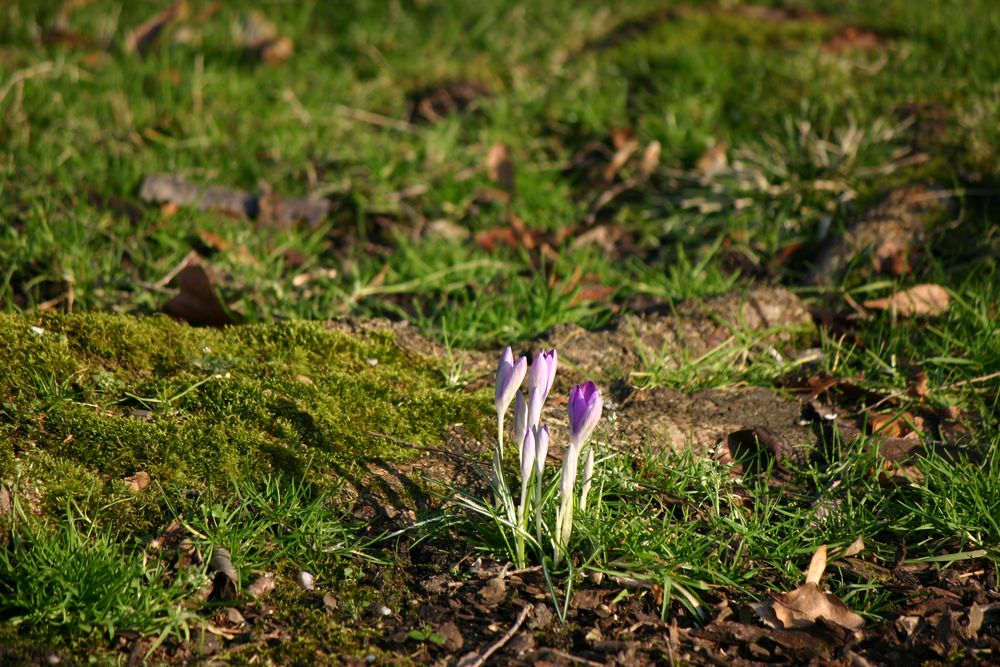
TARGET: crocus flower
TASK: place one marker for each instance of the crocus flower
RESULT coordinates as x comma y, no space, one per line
520,420
510,374
541,451
527,469
527,465
543,372
584,412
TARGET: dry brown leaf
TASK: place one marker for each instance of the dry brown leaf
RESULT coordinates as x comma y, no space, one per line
268,209
890,425
924,299
850,38
650,159
138,481
500,168
921,384
714,160
226,578
802,607
262,586
494,591
6,505
277,51
197,302
432,103
620,158
146,35
212,240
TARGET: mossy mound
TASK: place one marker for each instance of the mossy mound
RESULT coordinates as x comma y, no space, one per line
88,400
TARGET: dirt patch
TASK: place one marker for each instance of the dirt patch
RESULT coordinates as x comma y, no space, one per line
704,420
670,334
887,239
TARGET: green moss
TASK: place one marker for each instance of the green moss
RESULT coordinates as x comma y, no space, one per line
86,400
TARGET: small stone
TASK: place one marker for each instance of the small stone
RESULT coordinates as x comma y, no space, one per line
262,586
329,602
138,481
494,591
453,639
306,581
379,609
234,616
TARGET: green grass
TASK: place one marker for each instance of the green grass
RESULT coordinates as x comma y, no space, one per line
81,581
244,427
686,523
789,110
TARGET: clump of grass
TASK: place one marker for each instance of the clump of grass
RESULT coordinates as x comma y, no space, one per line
82,580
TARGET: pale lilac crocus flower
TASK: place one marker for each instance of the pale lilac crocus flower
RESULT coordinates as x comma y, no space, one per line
540,377
520,421
527,469
510,374
541,451
584,412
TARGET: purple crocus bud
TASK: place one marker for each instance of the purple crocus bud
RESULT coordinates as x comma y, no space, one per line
541,449
510,374
543,372
584,412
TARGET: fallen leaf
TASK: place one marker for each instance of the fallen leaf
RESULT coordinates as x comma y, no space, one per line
804,606
277,51
226,579
6,506
713,160
621,157
146,35
500,168
138,481
447,230
925,299
212,240
494,591
650,159
850,38
197,303
852,549
921,384
267,209
170,538
262,586
751,450
261,39
434,102
453,639
890,425
588,599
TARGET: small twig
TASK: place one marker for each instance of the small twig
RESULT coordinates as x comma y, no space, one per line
46,68
172,273
477,660
976,380
413,445
606,197
572,658
375,119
